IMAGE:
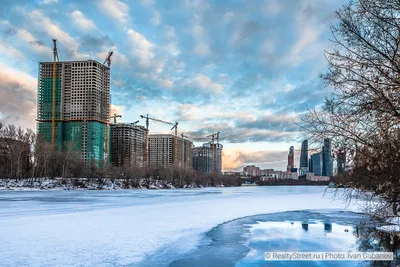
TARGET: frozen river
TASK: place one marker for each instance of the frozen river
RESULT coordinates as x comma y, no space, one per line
134,227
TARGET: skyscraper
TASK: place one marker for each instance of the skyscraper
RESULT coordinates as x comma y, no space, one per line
202,158
81,106
304,154
316,160
327,167
128,145
304,158
161,151
290,165
341,161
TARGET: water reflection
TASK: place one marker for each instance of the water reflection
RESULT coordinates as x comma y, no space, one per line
244,241
371,239
328,227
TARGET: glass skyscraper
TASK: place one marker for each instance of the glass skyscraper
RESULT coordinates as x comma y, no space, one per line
327,169
304,154
316,161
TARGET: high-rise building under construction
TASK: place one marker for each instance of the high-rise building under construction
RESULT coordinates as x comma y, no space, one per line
206,160
81,110
161,151
128,145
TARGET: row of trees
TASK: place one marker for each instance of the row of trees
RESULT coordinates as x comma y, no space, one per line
24,155
362,116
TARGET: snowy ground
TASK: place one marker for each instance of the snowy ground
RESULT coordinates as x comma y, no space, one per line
125,227
81,183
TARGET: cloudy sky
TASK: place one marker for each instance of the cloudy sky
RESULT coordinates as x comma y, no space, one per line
248,69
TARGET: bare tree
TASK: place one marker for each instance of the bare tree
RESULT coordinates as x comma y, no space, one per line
362,116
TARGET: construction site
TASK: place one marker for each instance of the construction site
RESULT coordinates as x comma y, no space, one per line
74,114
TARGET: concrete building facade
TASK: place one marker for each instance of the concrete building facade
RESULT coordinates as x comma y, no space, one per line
161,151
203,158
82,104
127,145
252,170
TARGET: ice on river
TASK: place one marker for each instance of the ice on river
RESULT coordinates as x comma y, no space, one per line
127,227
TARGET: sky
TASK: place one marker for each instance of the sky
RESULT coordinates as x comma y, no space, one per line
248,69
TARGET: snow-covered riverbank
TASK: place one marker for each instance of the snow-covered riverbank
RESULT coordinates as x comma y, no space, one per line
84,183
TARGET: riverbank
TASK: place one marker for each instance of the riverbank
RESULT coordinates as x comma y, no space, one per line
119,184
86,183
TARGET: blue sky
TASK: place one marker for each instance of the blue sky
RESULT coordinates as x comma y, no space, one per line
246,68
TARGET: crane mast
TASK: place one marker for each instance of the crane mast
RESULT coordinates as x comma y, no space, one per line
183,147
147,117
212,151
108,60
213,137
53,110
175,143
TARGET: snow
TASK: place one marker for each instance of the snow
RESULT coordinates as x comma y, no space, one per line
80,183
109,228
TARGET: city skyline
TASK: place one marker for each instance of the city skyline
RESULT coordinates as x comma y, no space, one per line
175,65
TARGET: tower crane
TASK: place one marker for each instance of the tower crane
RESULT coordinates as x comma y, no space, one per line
175,126
183,147
108,59
53,113
175,142
134,123
217,134
212,150
213,137
115,116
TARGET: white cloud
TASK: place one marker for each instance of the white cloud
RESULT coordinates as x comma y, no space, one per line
28,38
172,49
17,97
204,82
118,83
306,45
47,2
288,88
271,7
201,48
156,20
9,51
79,19
116,109
170,32
54,31
194,112
116,9
160,81
228,16
177,66
142,49
147,2
116,59
268,47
